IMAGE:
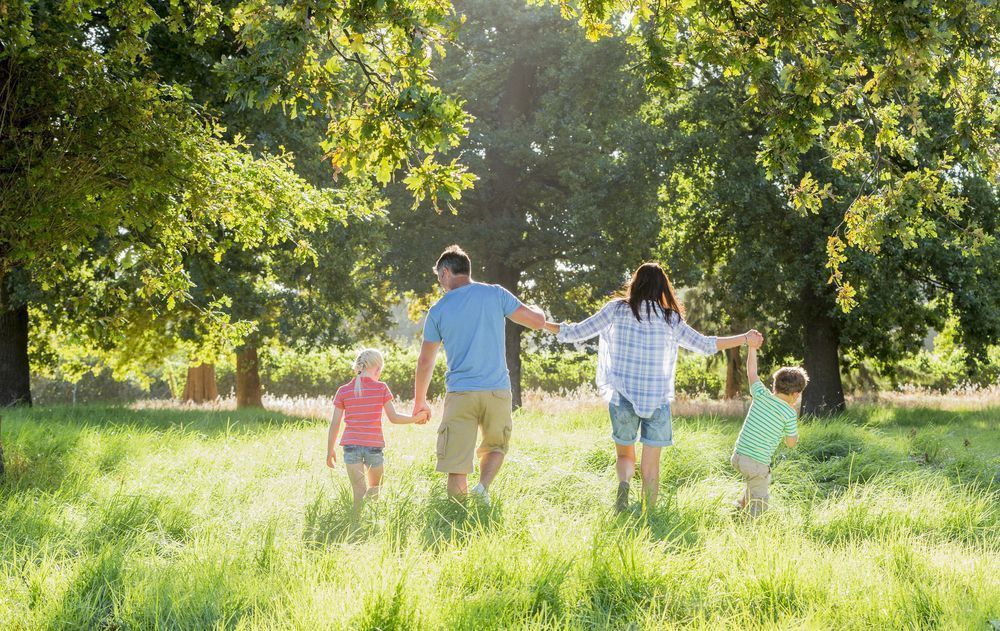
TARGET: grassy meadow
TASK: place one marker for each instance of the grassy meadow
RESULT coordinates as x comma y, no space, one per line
117,518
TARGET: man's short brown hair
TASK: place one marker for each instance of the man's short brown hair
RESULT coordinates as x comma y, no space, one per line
790,380
455,259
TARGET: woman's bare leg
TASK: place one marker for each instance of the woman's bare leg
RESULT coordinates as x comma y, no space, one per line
649,468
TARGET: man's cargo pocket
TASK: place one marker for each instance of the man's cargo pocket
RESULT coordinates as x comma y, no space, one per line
442,442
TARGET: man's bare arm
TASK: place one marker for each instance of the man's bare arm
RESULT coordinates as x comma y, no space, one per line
529,317
424,372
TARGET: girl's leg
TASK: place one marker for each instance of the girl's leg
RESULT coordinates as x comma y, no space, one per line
374,482
649,468
356,474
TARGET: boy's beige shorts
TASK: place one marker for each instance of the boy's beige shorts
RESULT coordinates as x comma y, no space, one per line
758,479
464,414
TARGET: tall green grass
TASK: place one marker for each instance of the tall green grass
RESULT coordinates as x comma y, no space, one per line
120,519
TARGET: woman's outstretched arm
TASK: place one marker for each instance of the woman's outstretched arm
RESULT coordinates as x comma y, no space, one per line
591,327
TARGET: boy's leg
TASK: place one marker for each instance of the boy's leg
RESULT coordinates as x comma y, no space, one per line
757,491
356,474
649,468
758,477
741,502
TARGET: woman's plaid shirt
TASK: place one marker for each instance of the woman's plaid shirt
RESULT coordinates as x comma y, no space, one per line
636,359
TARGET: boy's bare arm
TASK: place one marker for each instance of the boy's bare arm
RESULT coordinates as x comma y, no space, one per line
752,365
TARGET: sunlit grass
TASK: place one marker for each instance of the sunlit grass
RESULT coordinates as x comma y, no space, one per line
119,518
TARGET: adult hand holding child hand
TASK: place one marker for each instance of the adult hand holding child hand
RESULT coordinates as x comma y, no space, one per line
754,338
421,417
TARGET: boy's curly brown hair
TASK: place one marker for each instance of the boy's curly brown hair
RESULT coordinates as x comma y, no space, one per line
790,380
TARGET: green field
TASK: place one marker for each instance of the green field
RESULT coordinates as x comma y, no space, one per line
121,519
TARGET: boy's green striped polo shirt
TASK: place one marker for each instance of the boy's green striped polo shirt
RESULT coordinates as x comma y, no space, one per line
769,420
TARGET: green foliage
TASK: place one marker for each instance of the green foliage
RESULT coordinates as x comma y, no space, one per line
565,203
897,96
695,377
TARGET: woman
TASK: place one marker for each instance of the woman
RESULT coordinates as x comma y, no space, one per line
639,336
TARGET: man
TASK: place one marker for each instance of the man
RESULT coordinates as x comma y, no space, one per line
469,321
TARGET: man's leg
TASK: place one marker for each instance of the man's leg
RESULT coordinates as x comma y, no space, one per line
457,440
489,466
458,484
649,468
496,424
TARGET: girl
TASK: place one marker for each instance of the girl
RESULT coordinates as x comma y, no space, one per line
640,334
360,403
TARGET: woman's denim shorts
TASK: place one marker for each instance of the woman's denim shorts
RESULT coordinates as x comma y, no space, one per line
656,431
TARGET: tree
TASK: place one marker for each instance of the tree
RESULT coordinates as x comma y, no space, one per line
896,96
103,162
565,202
733,230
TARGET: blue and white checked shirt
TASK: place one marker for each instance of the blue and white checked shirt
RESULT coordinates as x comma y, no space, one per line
636,359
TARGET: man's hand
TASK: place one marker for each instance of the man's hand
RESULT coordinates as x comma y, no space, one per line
331,459
422,417
754,338
420,408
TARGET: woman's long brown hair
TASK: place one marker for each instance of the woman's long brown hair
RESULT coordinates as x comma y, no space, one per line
651,285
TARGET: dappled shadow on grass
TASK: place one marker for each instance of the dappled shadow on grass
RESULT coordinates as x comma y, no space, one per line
448,521
439,521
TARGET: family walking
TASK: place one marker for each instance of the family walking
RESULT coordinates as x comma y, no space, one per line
639,336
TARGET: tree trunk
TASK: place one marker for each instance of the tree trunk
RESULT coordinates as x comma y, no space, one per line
15,371
825,394
734,373
501,274
513,348
201,386
248,390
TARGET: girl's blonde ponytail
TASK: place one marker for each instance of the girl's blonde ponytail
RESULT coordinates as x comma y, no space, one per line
367,358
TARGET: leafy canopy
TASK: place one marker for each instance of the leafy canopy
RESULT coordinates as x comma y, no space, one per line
901,95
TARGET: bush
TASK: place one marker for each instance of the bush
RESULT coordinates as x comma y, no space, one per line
292,372
558,372
694,377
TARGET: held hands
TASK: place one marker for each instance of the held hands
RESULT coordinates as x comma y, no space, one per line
421,411
421,417
754,338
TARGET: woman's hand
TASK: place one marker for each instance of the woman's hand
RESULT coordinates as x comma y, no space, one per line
551,327
331,459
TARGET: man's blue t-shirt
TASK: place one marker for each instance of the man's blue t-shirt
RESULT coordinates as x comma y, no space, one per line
470,321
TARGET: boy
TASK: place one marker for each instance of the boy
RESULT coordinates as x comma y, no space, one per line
772,416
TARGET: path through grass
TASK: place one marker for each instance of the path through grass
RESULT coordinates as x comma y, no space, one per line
121,519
